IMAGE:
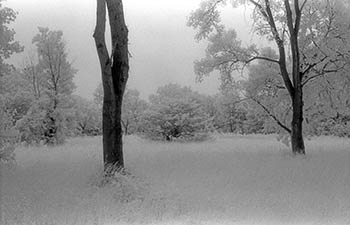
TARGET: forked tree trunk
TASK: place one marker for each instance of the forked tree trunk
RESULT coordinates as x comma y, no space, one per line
114,71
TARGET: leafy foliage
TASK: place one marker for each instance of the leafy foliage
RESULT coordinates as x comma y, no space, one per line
312,38
8,45
8,135
51,85
132,111
87,117
176,112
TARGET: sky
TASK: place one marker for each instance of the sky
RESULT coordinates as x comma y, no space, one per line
162,47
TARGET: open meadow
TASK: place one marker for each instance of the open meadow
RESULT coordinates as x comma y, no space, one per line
228,180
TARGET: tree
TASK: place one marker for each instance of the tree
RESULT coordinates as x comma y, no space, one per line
33,73
264,87
7,135
133,108
114,71
312,32
8,45
51,84
8,112
176,112
231,114
327,109
87,117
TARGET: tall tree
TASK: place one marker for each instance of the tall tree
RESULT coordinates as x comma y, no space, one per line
58,74
310,33
50,83
115,72
8,45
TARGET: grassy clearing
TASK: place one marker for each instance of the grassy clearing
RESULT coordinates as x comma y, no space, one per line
230,180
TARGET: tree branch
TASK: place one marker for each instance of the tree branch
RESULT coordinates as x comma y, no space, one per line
99,34
311,66
262,58
271,115
303,5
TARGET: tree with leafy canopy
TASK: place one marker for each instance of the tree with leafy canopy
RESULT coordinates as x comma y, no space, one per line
176,112
230,115
51,82
312,34
115,73
8,45
326,100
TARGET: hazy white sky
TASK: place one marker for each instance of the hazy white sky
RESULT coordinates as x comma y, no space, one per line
162,46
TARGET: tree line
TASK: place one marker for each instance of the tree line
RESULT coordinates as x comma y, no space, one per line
298,87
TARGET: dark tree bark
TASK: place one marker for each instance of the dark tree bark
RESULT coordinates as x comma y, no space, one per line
297,139
294,85
114,71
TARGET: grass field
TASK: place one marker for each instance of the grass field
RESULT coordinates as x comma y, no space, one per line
229,180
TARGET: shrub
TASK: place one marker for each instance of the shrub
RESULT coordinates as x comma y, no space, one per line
8,136
176,113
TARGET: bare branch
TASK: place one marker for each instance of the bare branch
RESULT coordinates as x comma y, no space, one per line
262,58
303,5
271,115
311,66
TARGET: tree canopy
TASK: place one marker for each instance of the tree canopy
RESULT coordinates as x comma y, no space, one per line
8,44
311,37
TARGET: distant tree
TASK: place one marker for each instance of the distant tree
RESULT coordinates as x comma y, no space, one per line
314,32
8,135
133,108
8,45
11,105
231,113
87,117
114,71
176,112
98,95
51,84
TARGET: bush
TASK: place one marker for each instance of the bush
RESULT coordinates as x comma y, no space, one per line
8,137
42,125
176,113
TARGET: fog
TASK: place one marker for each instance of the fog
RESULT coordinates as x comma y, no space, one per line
162,47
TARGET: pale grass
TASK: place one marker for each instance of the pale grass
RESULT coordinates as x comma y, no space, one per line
232,179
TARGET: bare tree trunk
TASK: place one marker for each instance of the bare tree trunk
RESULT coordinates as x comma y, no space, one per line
297,140
114,77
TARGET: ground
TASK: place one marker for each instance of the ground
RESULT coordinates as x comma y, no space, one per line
229,180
